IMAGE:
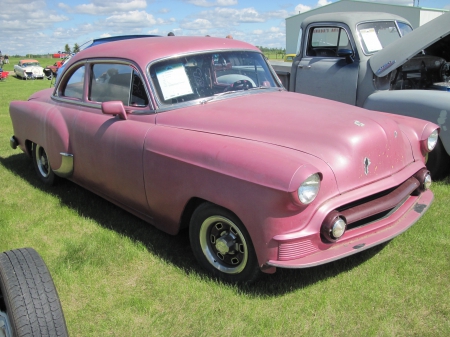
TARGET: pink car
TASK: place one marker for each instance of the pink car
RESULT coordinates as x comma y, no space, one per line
198,132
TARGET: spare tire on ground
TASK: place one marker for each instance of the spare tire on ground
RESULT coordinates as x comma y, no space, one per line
29,303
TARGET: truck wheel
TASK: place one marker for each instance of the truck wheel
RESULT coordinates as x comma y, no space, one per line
29,303
438,162
222,245
42,165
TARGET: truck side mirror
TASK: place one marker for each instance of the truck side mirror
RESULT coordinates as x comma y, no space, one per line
348,54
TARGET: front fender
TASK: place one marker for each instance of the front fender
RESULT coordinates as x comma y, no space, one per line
430,105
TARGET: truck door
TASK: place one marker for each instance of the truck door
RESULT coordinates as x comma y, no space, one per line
323,71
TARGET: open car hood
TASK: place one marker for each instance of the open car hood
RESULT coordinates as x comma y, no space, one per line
396,54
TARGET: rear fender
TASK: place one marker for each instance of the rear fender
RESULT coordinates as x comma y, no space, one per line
43,124
430,105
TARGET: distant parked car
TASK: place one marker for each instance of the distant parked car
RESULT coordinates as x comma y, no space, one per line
28,69
199,132
54,68
289,57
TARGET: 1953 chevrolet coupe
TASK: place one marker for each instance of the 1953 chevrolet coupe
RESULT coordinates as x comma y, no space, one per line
198,132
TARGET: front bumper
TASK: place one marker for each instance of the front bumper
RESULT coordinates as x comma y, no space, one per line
308,249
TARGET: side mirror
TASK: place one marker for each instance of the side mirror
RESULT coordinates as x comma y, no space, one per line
348,54
114,108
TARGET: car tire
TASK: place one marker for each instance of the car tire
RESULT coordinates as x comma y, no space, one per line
438,162
42,165
29,303
233,258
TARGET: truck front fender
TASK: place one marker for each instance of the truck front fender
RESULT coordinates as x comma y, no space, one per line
430,105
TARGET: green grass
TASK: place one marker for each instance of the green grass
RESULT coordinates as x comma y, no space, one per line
118,276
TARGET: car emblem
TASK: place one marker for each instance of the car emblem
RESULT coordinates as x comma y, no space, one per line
385,66
366,165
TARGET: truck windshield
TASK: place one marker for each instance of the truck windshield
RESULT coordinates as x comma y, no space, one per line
376,35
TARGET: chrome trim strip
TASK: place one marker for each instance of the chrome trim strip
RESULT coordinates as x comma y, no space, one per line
66,168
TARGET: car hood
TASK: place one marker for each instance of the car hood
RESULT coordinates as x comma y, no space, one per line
359,146
396,54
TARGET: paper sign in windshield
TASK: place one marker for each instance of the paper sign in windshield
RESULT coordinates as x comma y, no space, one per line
173,81
371,40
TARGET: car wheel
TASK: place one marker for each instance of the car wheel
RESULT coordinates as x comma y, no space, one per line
222,245
438,162
29,303
42,165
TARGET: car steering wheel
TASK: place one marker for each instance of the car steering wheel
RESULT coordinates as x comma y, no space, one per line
239,85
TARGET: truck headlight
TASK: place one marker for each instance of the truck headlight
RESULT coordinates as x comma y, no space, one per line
432,140
309,189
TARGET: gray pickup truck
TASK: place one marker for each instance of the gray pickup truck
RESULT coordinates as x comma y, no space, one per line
377,61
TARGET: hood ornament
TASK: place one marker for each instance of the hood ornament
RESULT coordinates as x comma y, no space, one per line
366,165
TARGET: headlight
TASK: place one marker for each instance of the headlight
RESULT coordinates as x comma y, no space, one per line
309,189
432,140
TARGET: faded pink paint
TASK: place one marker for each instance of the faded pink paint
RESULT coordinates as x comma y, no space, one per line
247,153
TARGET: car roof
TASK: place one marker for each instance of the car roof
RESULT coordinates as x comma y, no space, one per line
351,19
147,49
28,60
117,38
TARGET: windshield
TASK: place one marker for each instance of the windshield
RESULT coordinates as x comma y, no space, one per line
30,64
192,77
376,35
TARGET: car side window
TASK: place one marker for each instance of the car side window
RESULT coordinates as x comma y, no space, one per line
117,82
326,41
75,84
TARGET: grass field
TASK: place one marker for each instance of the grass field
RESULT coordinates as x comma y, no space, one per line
118,276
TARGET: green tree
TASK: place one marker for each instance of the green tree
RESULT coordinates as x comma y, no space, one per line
76,48
67,49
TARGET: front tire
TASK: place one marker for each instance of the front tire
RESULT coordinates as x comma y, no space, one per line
42,165
29,303
438,162
222,245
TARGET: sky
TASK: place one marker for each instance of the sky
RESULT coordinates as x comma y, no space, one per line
46,26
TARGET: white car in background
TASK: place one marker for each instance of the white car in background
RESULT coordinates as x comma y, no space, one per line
29,69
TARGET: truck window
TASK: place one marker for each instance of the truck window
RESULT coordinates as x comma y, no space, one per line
326,41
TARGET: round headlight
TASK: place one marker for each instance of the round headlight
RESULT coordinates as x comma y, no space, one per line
338,228
427,182
432,140
308,190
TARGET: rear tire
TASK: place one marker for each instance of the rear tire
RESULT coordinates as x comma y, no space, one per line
29,303
438,162
222,245
42,165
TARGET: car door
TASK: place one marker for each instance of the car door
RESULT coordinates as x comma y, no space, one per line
321,71
108,150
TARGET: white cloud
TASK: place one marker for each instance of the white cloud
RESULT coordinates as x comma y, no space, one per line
102,7
199,24
323,3
206,3
301,8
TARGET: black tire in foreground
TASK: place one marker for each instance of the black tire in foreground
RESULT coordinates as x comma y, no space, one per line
221,244
29,303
